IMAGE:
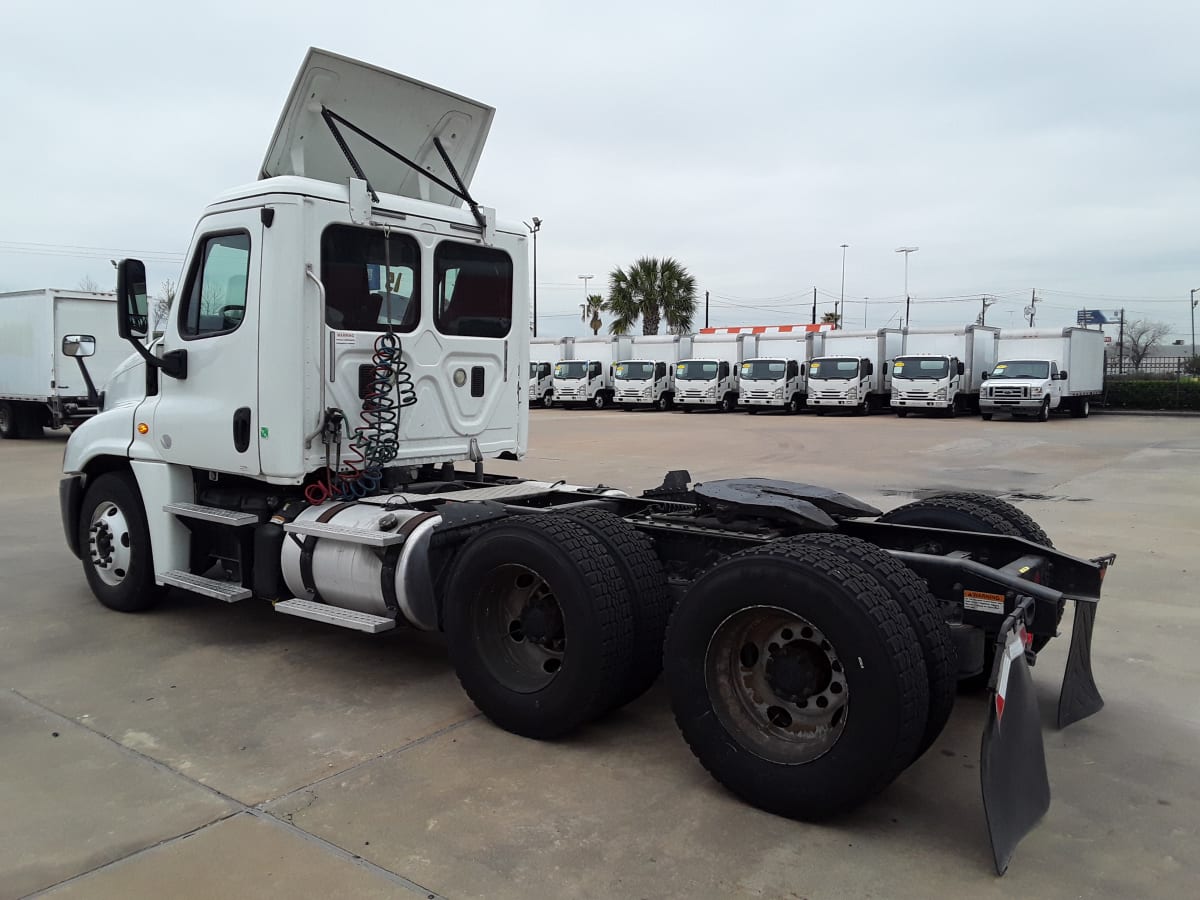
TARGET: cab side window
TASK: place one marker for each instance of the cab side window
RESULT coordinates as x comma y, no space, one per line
724,369
594,370
215,296
1053,370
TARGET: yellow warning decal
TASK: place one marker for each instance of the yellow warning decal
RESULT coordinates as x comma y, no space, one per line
984,602
899,364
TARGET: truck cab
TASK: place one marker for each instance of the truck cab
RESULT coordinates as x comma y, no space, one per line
1031,387
840,382
926,382
769,383
706,384
582,382
644,382
541,383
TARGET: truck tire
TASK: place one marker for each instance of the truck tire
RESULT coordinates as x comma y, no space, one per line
902,413
548,401
1044,412
728,403
864,408
10,423
538,624
114,541
646,584
1025,526
1081,408
600,401
794,406
30,421
663,403
686,408
751,411
924,613
987,417
777,626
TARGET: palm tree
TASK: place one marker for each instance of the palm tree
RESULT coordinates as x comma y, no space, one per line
831,318
595,304
655,291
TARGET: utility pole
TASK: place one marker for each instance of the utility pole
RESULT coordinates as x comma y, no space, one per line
1121,346
706,309
840,309
1032,310
534,229
986,302
907,298
814,321
1195,291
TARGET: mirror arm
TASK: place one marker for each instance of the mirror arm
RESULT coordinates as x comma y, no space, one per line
173,363
93,397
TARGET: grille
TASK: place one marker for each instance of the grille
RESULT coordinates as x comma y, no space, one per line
1010,393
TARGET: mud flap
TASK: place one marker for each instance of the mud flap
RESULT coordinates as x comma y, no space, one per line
1012,763
1079,697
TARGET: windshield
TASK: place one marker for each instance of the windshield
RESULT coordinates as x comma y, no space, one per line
764,369
634,371
576,369
833,368
921,367
696,370
1022,368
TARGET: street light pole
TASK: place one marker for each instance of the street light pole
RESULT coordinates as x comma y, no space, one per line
534,229
585,279
842,301
907,299
1195,291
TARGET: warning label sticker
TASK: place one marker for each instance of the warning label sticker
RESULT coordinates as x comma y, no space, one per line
349,338
981,602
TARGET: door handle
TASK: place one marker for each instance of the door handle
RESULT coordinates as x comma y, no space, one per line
241,429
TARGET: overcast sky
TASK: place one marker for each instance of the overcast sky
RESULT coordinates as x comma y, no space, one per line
1048,145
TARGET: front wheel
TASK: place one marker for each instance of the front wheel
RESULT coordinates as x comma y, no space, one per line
794,406
115,544
548,401
902,413
663,403
1044,413
728,403
600,401
987,417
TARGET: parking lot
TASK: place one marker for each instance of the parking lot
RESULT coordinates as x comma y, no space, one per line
205,750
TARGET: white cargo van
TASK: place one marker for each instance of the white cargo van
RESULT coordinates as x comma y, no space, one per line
1040,370
773,378
45,336
852,369
709,377
587,380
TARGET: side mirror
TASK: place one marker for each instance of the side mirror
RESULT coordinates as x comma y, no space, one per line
133,319
961,368
868,367
1062,376
79,345
983,376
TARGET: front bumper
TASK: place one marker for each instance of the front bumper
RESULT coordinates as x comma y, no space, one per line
70,501
919,403
1032,404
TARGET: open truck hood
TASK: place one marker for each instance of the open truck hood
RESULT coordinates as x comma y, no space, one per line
400,112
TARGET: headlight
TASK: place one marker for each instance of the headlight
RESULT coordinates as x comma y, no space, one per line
852,394
940,395
778,395
1035,392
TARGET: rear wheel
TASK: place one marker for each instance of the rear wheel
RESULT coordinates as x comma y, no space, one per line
115,544
646,584
539,624
796,679
1081,408
924,613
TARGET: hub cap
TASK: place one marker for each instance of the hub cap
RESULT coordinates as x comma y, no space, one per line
519,629
108,543
777,685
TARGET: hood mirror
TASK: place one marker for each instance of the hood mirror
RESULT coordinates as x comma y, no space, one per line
79,345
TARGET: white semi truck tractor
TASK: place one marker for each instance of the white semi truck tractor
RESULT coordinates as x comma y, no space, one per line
708,378
941,369
1045,370
647,379
851,370
347,352
543,354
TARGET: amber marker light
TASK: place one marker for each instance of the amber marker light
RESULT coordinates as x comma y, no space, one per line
143,428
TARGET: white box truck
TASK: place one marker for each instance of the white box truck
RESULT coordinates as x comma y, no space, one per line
1040,370
708,378
941,369
543,354
587,378
297,452
647,378
852,370
45,338
773,378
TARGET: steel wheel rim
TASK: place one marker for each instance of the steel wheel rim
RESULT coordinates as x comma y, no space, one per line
109,543
5,420
519,628
777,685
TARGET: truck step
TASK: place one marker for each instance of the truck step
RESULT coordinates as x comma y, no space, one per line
209,587
335,615
344,533
211,514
